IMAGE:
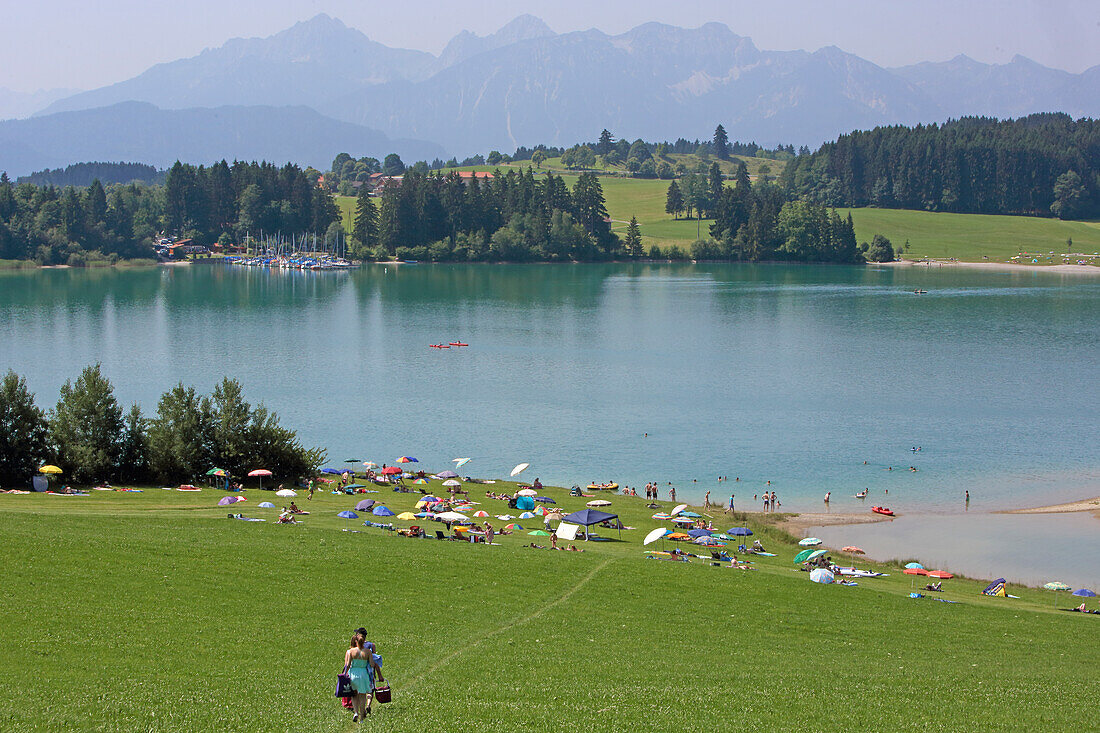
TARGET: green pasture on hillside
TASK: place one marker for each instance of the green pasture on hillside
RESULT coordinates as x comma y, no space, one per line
156,612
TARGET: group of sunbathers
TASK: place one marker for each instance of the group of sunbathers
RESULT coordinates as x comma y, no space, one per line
571,548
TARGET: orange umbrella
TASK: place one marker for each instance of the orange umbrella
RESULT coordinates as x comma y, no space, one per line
853,550
679,536
941,574
915,571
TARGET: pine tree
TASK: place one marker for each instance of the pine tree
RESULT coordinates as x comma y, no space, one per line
365,227
605,144
721,143
674,200
86,427
633,241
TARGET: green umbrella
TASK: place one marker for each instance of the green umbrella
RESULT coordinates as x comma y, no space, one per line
539,533
1056,586
216,472
803,556
816,554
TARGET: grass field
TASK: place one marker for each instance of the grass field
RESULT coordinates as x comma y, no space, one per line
155,612
966,237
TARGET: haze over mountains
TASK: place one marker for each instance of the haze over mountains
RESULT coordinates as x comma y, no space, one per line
523,85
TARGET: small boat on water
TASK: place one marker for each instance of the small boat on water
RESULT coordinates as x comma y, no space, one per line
439,346
603,487
862,494
919,292
457,343
883,511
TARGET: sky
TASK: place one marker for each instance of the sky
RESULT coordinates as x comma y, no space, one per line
76,44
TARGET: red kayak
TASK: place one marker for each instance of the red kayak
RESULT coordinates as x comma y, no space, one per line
882,510
458,343
438,346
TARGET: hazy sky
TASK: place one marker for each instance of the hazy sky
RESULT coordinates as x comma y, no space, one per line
75,43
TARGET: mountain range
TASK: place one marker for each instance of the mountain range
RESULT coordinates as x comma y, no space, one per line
526,84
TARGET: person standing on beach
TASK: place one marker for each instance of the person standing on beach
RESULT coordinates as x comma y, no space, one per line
706,501
731,504
672,493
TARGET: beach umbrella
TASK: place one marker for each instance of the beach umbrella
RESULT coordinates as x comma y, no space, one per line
335,471
821,575
452,517
655,535
545,500
382,511
539,533
481,513
407,459
227,500
723,536
816,554
260,473
425,515
940,574
216,472
541,511
914,565
526,492
346,515
50,469
406,516
513,526
365,505
265,505
678,508
451,482
1083,593
286,493
527,515
709,542
519,469
739,531
678,536
390,470
351,460
460,462
915,571
420,481
801,557
693,515
599,502
554,516
447,474
661,516
809,542
370,464
696,533
1056,586
853,550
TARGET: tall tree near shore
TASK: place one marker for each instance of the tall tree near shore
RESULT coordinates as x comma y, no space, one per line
365,227
721,143
180,435
674,200
24,441
86,427
633,240
591,210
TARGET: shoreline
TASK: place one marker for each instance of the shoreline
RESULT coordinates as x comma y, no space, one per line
995,266
1084,505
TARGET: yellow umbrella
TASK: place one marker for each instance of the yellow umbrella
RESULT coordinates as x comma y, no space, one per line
50,469
406,515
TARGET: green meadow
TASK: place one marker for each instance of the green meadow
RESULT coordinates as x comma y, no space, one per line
156,612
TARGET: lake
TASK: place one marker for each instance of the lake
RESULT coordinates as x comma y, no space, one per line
796,375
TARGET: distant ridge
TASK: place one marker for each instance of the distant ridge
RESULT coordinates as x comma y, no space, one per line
143,133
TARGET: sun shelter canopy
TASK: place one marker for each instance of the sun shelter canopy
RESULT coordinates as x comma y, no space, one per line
588,517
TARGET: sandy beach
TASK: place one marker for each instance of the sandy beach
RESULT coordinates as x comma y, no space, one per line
799,523
1084,505
998,266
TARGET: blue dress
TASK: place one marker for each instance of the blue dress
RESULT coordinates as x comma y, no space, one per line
362,676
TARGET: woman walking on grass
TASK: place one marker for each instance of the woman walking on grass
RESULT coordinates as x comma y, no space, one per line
361,667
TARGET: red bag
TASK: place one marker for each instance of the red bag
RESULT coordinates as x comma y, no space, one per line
347,703
382,694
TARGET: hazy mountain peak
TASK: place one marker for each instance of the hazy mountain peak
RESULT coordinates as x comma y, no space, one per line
466,44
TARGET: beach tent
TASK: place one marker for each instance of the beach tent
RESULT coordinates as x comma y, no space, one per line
525,503
566,531
265,505
587,517
996,588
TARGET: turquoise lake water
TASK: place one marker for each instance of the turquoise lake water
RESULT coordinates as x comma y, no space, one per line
795,375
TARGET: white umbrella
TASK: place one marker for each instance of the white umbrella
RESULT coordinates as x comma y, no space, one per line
526,492
460,462
655,535
451,517
809,542
286,492
821,575
452,482
519,469
599,502
678,508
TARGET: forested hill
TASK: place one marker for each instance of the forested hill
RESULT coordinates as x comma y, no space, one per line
82,174
1040,165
